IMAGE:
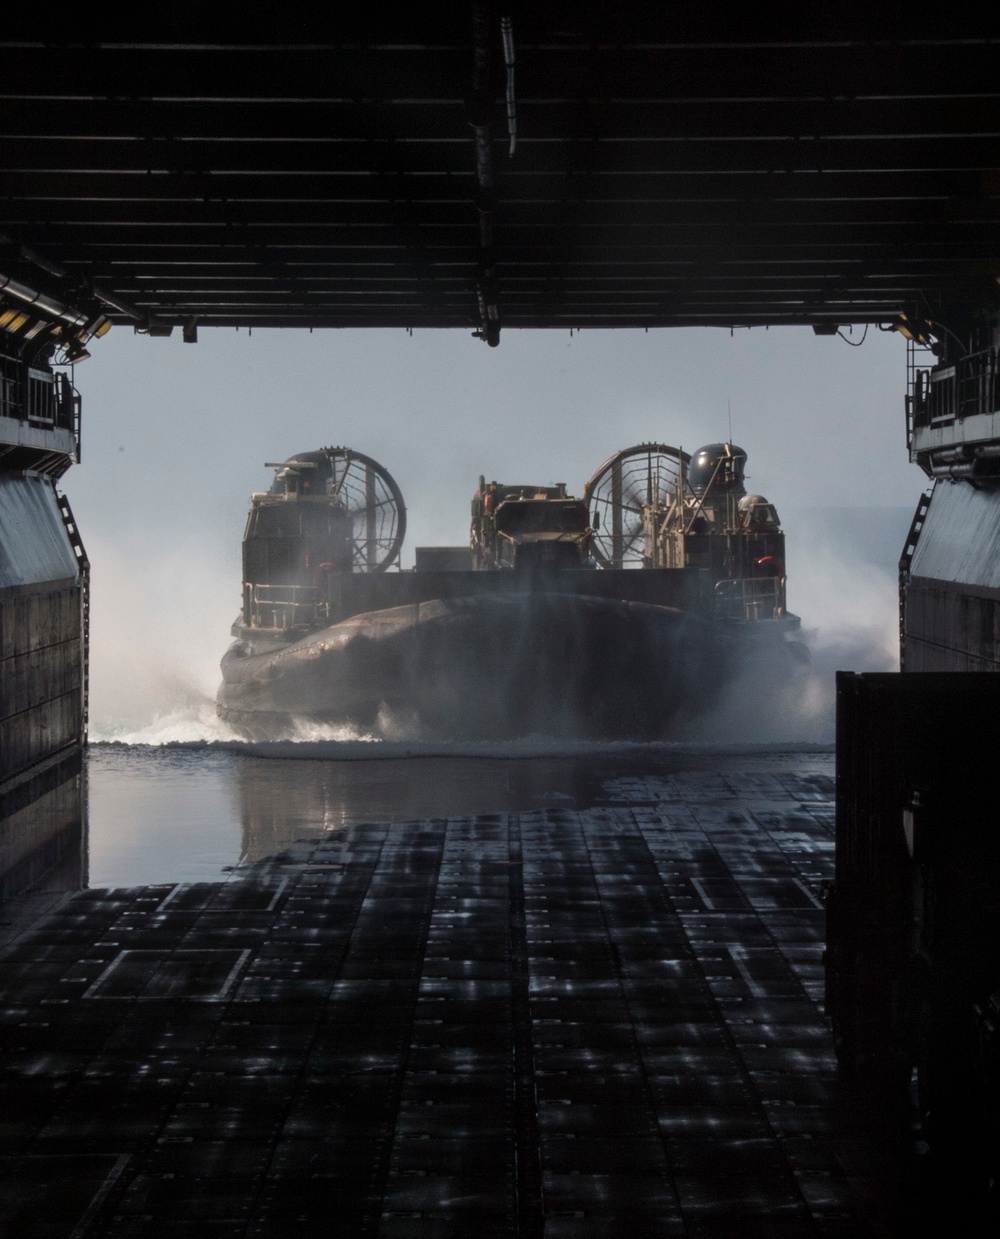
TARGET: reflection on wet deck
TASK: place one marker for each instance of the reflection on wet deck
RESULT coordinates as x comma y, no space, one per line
591,1017
188,814
282,801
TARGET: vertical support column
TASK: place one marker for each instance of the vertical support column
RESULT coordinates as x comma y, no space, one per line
371,530
617,540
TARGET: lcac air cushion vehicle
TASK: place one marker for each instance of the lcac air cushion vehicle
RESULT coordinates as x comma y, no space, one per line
542,625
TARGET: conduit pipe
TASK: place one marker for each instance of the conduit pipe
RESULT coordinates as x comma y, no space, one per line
507,31
966,462
113,300
48,306
479,109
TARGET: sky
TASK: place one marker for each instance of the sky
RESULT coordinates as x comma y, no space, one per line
175,437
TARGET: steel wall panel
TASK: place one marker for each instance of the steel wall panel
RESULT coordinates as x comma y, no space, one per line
34,547
31,735
960,541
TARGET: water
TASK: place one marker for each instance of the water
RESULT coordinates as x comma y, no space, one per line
197,812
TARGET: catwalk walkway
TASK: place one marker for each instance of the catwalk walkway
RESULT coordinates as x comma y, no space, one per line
572,1022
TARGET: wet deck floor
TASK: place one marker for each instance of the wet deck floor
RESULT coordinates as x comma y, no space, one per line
569,1021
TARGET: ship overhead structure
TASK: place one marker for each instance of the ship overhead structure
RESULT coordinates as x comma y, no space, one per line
486,167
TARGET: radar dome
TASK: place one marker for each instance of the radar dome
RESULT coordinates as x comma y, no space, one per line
719,466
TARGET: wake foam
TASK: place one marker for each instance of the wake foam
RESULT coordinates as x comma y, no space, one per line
198,725
188,724
541,747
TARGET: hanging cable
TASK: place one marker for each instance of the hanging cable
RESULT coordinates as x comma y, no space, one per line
854,343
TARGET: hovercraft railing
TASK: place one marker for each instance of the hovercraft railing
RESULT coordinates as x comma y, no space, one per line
283,607
750,599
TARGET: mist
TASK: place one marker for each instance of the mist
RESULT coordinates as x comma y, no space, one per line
843,583
175,439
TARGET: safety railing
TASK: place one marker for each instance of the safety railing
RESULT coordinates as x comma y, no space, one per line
750,599
970,386
37,396
50,400
282,606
